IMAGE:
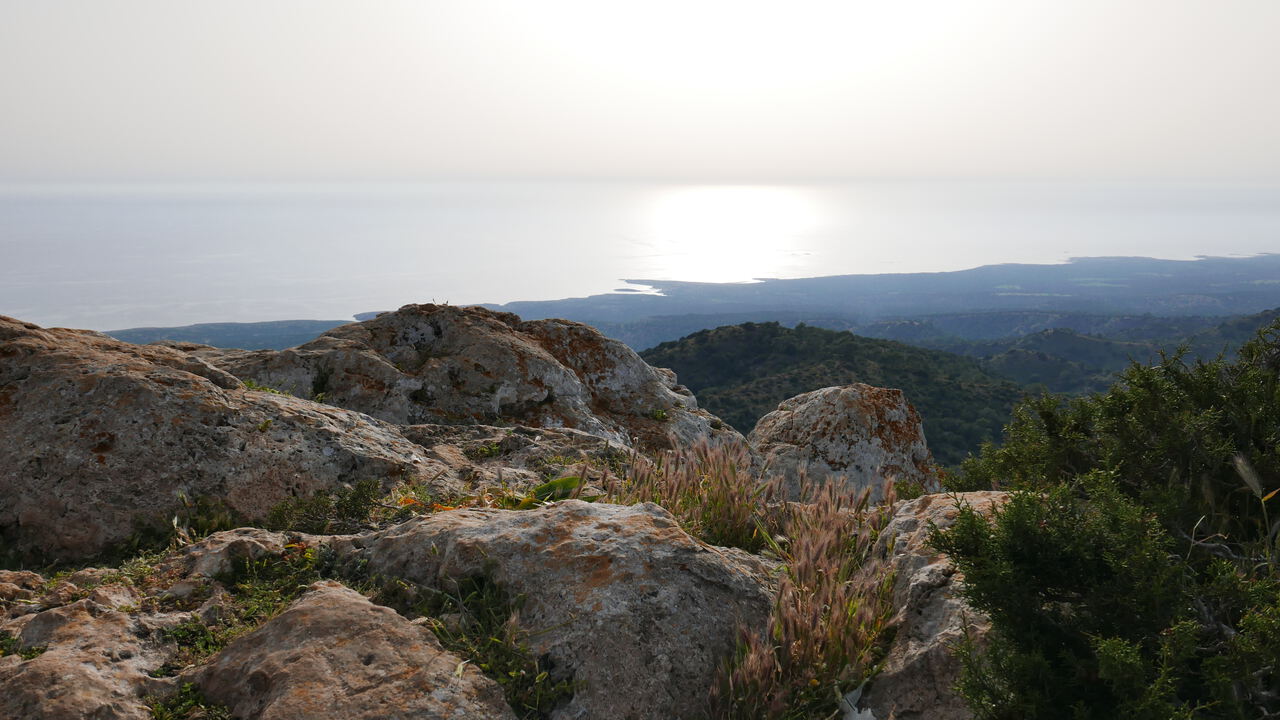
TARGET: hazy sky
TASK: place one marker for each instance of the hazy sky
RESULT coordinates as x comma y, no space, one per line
714,89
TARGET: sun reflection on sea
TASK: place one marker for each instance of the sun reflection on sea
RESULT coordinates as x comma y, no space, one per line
727,233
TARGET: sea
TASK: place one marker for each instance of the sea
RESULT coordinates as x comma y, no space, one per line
107,257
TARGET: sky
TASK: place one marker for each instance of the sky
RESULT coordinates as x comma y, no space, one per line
687,90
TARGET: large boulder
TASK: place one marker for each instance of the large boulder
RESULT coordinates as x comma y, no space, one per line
102,437
434,364
618,599
919,672
857,433
333,655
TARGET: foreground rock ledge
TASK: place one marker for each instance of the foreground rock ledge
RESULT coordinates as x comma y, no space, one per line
333,655
617,598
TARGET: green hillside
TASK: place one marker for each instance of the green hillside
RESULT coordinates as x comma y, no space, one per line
742,372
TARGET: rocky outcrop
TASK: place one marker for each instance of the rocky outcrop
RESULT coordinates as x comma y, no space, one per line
439,364
919,670
101,437
91,659
333,655
520,456
617,599
859,433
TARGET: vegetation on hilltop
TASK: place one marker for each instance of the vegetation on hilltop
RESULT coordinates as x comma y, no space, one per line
1135,572
742,372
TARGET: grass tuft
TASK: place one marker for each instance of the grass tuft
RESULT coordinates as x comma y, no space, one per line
188,704
828,626
711,491
475,619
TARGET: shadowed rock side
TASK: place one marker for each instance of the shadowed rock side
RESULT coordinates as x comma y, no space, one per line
858,432
433,364
919,671
619,599
100,437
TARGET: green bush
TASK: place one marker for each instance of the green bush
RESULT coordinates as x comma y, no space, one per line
1134,572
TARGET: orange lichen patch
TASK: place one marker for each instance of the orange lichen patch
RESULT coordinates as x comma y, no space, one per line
552,535
598,573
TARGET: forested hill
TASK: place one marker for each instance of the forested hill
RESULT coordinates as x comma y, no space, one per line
741,372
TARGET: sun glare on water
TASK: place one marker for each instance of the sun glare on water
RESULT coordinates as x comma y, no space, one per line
727,233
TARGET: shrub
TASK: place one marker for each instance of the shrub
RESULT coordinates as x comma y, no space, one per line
1135,572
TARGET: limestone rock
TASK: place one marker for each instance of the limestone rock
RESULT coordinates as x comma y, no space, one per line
334,655
618,599
439,364
101,436
919,669
95,666
861,433
518,456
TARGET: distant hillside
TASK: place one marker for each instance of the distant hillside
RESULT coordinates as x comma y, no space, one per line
275,335
1100,286
1070,361
743,371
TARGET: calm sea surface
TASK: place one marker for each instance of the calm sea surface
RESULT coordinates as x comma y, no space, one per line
115,257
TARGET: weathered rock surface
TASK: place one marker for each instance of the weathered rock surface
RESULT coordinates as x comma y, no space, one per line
100,436
919,670
439,364
334,655
861,433
520,456
95,666
618,599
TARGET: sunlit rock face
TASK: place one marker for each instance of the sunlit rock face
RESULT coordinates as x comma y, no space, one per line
102,437
856,433
434,364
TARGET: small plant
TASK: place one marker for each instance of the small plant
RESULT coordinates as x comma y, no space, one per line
265,425
474,618
259,590
11,645
336,511
483,452
188,704
660,414
251,385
